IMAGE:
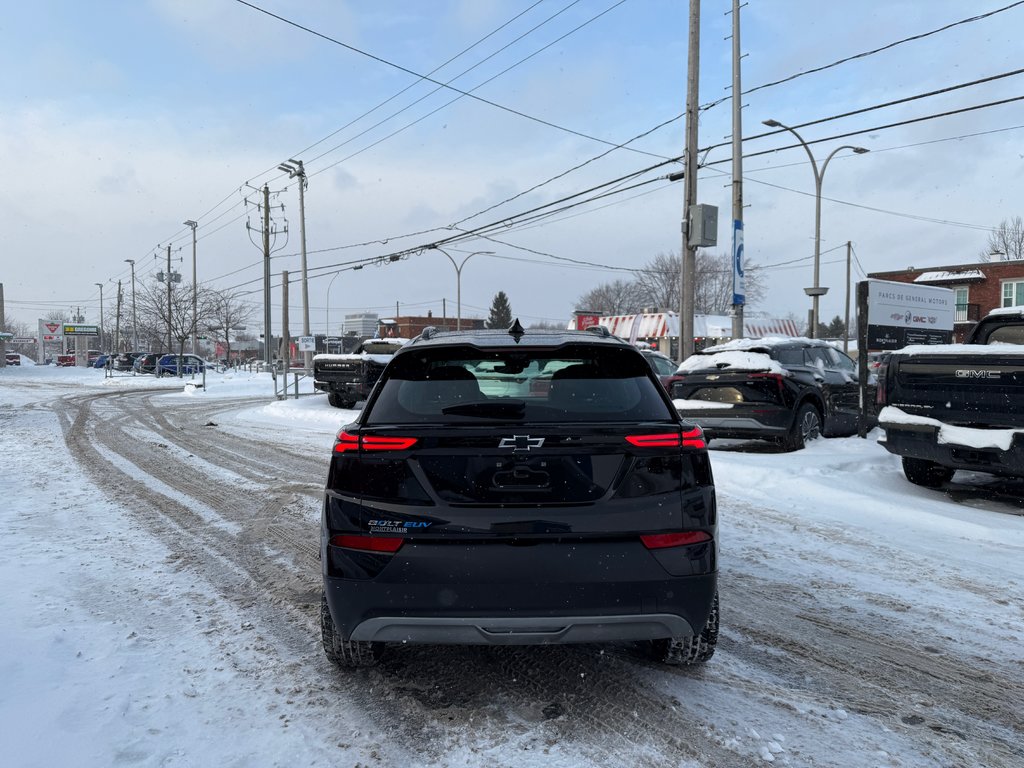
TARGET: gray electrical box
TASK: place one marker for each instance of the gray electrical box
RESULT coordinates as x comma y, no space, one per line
703,226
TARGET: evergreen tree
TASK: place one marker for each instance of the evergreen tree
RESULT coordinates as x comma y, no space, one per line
501,312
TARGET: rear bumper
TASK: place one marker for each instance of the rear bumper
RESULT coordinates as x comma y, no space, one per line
764,425
538,630
340,387
507,594
920,441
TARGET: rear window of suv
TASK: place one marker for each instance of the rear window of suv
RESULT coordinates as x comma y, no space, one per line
569,383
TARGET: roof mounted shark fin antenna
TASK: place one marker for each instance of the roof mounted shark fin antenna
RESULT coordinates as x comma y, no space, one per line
516,331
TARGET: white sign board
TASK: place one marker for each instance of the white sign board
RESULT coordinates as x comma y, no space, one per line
307,344
906,313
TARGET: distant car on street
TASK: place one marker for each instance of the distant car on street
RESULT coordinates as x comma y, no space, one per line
65,361
12,358
184,364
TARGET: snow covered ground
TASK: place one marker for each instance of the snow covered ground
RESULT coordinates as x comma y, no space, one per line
146,620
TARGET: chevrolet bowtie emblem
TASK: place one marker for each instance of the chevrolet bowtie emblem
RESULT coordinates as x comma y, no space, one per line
521,442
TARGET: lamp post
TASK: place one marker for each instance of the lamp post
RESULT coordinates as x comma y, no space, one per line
135,321
294,168
815,291
195,294
458,279
101,314
327,312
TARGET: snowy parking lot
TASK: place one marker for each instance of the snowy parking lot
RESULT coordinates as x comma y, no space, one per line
160,589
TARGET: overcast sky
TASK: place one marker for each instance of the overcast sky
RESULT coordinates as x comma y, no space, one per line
120,119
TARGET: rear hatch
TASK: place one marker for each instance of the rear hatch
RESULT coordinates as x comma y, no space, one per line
596,451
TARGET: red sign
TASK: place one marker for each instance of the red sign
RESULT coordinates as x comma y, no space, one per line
52,327
586,321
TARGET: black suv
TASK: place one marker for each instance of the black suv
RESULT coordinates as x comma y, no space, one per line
515,488
786,390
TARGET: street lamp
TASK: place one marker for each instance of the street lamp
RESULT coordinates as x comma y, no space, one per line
815,291
195,295
101,314
327,312
458,279
294,168
135,320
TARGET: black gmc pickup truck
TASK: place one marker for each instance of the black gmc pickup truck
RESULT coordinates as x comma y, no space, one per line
348,378
958,406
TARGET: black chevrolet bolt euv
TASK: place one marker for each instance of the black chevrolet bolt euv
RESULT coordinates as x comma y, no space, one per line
514,488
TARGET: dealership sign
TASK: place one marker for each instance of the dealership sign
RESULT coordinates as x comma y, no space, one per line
81,330
900,314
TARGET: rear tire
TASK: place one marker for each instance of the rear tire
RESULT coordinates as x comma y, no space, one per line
693,649
344,654
806,426
340,401
926,473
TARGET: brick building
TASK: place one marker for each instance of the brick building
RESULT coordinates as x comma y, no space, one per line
979,287
410,327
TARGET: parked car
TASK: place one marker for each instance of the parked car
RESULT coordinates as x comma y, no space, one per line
65,361
125,361
185,365
12,358
786,390
91,357
101,361
663,365
147,363
474,510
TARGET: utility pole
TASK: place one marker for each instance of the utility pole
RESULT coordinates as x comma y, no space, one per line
267,357
135,320
285,333
195,290
689,253
739,297
101,316
294,168
170,343
117,321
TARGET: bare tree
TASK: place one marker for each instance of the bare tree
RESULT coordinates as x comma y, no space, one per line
658,282
162,314
1006,241
657,285
617,298
228,312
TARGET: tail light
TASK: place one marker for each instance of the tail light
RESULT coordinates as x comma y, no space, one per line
687,438
389,544
776,377
350,442
680,539
881,396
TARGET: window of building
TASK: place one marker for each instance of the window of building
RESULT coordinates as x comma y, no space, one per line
1013,293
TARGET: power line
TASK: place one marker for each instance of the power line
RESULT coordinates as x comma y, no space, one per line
865,110
865,54
420,76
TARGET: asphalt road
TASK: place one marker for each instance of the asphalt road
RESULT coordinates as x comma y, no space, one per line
240,507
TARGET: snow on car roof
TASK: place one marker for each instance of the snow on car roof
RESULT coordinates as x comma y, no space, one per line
768,342
1007,311
737,360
